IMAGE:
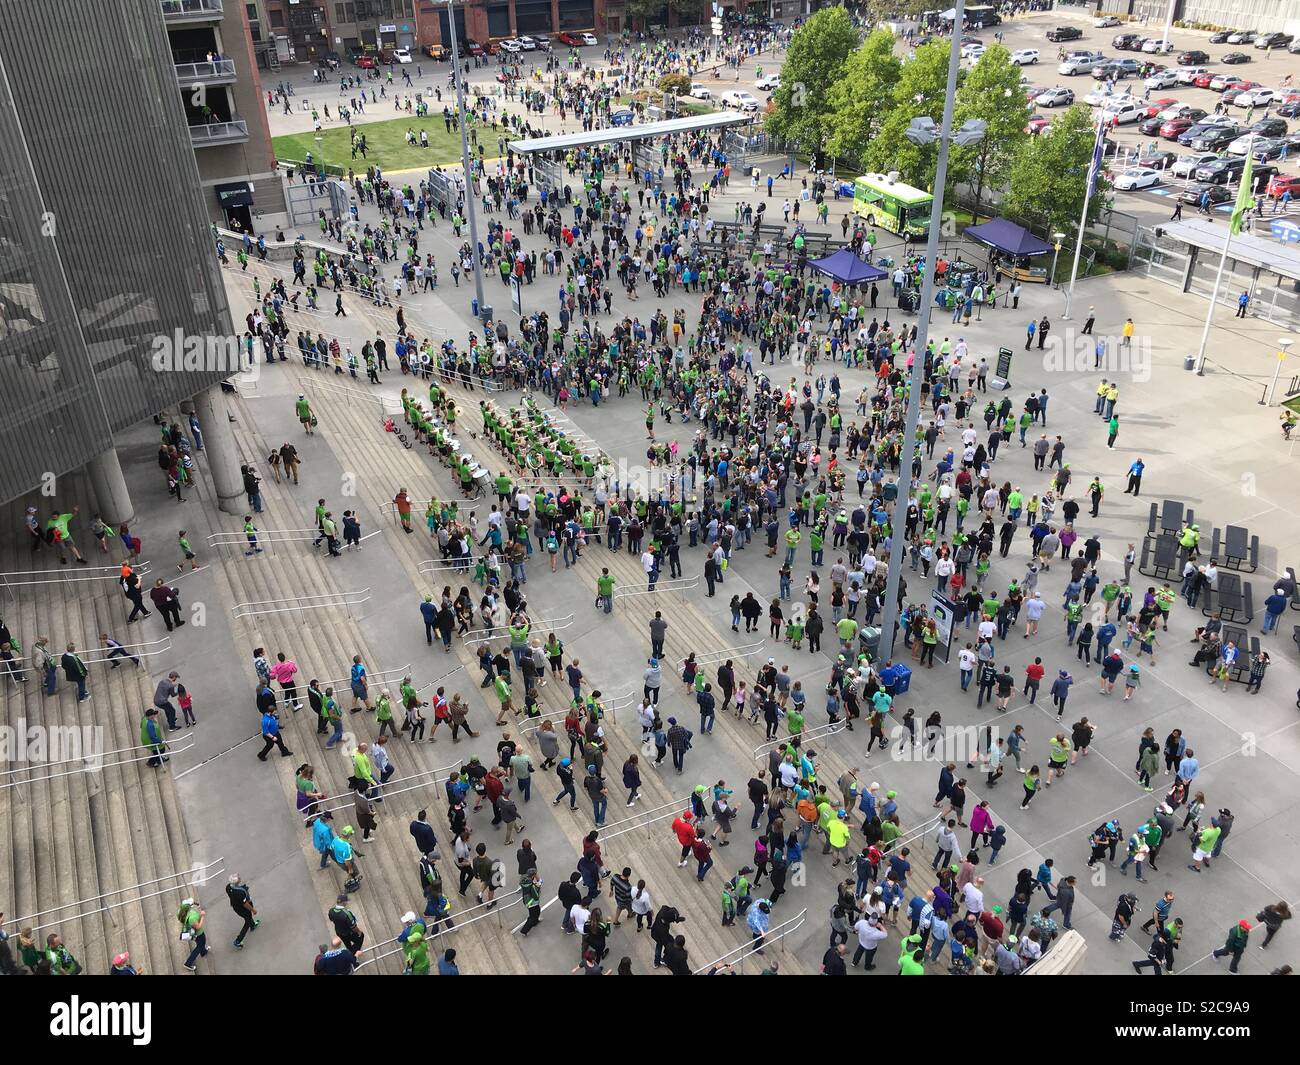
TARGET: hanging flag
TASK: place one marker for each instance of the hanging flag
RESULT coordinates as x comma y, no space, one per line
1245,197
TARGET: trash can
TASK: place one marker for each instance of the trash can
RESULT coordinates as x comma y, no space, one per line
869,641
485,312
1189,362
904,681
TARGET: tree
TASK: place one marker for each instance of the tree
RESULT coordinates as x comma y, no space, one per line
990,92
862,98
918,92
876,12
1049,174
815,60
675,83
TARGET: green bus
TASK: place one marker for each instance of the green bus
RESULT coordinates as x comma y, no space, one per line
886,202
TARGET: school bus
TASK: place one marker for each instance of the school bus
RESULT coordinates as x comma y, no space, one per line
891,204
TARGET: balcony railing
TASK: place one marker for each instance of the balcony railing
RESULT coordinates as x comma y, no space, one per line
192,10
221,72
210,134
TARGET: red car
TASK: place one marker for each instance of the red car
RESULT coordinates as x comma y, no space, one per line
366,62
1159,105
572,40
1037,124
1202,81
1284,183
473,48
1175,126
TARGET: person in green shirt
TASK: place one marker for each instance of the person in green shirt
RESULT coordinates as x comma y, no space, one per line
303,409
250,531
187,553
56,532
846,628
911,960
192,920
62,963
502,688
415,951
384,714
605,590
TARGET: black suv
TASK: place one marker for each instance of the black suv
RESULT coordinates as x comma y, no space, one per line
1064,33
1269,127
1221,171
1194,58
1128,42
1273,40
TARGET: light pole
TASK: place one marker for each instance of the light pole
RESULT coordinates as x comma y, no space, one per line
1169,22
1058,237
922,131
1283,344
466,164
1094,171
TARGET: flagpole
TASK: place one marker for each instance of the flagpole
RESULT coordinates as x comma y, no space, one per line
1243,198
1083,219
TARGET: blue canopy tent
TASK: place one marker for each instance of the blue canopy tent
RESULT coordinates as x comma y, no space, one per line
845,267
1007,237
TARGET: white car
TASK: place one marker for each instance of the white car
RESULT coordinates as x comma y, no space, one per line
511,45
588,39
1187,165
1079,63
768,82
741,100
1136,177
1161,79
1025,56
1106,22
527,43
1187,75
1242,144
1157,46
973,51
700,91
1241,37
402,55
1255,98
1123,111
1103,98
1054,97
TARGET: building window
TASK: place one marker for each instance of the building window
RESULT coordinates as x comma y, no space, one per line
577,15
498,20
533,16
277,19
252,12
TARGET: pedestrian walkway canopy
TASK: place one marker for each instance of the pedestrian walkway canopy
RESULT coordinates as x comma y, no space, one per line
845,267
1273,256
1007,237
637,132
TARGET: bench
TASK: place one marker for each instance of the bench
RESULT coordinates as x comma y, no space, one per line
1160,557
1240,549
1295,635
1232,598
1291,586
1245,642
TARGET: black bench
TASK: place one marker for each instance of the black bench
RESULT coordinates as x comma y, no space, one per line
1247,650
1160,557
1238,550
1232,598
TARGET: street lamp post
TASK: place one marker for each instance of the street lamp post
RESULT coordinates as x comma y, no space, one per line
1058,237
466,164
1283,344
1093,172
923,131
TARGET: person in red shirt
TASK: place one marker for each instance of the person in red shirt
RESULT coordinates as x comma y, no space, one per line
703,854
1033,674
991,926
492,788
685,833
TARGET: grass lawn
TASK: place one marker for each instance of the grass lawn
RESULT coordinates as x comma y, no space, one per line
386,145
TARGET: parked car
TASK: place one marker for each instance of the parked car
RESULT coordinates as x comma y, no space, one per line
1187,75
1233,59
1273,40
1187,165
1106,22
1294,47
1192,57
1154,107
768,82
1157,46
1202,81
1231,93
1262,149
1100,97
1212,138
1064,33
1260,176
1217,193
1024,56
1221,171
1255,97
402,55
1283,183
1080,62
622,117
1177,110
1122,112
1171,129
1269,127
740,100
1115,68
1157,160
1242,36
1136,177
973,51
1127,42
1055,97
1037,123
511,45
1223,82
1221,37
474,48
366,61
571,39
1291,110
437,51
1161,79
588,39
542,42
700,91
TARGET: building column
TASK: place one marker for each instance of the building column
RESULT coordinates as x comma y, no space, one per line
111,495
219,446
555,16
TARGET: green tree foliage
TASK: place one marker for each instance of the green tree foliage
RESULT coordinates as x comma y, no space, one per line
918,92
862,98
990,92
676,83
1049,173
815,61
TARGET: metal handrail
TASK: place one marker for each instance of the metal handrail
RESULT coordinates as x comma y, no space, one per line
214,132
439,680
217,537
384,789
187,7
342,390
222,68
680,584
551,624
440,565
515,897
65,761
66,576
386,674
934,821
18,922
88,656
93,768
239,609
745,950
746,650
820,732
676,805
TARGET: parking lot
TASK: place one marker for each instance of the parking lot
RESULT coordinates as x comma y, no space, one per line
1268,69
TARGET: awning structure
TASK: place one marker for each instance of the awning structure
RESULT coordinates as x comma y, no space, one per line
1274,256
1008,237
618,134
845,267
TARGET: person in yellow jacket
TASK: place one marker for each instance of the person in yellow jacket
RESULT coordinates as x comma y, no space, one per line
837,834
911,960
362,769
